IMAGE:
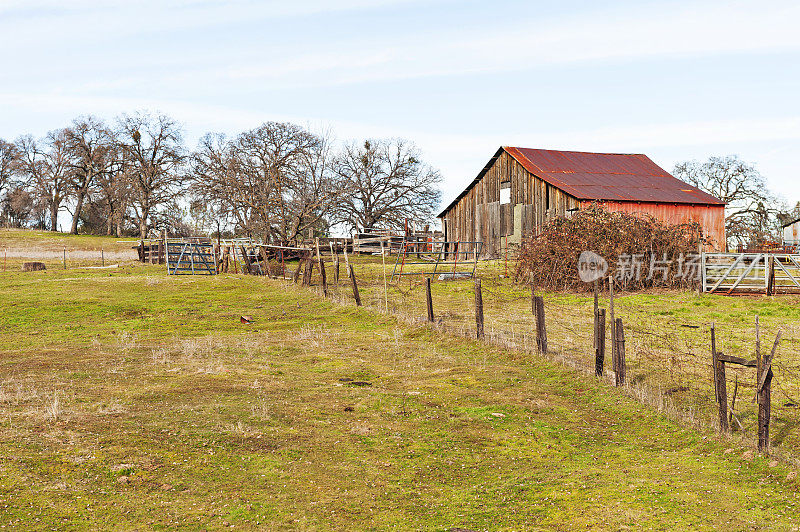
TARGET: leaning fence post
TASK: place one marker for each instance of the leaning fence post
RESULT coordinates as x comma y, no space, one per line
428,298
541,328
600,349
265,259
323,275
764,394
309,272
356,295
296,275
614,360
720,383
479,310
620,339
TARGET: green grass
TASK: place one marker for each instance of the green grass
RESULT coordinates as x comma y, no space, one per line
133,400
55,241
668,348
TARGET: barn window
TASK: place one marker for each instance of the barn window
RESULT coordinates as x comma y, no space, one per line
547,197
505,193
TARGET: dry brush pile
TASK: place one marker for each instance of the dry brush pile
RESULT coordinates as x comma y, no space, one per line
641,251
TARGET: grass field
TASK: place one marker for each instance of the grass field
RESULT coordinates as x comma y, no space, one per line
668,347
129,399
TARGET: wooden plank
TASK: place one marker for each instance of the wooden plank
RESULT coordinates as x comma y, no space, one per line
766,372
737,360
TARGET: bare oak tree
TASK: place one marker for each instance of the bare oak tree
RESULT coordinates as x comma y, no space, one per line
9,157
386,183
44,166
273,180
153,154
751,209
89,146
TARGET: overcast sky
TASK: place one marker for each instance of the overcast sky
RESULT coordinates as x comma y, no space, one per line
673,80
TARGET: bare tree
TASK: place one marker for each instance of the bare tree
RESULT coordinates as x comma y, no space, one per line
18,207
153,154
275,179
386,183
751,209
9,157
43,164
89,146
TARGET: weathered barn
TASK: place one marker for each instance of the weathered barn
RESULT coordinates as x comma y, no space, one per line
519,189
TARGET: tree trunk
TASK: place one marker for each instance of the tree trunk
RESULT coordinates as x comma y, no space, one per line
76,217
53,216
143,222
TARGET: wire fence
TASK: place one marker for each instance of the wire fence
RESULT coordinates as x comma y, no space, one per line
668,354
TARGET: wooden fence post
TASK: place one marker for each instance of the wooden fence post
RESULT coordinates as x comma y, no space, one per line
65,258
720,383
479,310
600,349
323,276
346,259
764,395
296,274
356,295
614,361
541,328
309,272
620,339
265,260
429,299
247,265
596,313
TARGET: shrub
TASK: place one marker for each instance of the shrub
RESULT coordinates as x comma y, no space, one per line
550,259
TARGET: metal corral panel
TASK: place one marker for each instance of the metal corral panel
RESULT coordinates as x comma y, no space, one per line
710,217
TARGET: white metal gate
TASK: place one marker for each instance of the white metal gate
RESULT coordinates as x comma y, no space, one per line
750,272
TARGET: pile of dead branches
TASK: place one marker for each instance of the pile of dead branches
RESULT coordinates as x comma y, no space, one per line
641,251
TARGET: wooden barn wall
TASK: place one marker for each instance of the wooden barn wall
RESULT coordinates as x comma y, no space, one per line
710,217
478,215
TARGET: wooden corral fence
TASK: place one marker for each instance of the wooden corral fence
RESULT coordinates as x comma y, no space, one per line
154,250
766,273
389,241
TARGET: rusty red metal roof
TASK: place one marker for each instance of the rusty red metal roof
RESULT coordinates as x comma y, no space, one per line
603,176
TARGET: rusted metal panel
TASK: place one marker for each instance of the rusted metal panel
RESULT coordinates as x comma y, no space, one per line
609,176
710,217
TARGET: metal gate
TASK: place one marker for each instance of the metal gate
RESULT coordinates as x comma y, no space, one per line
766,273
191,258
